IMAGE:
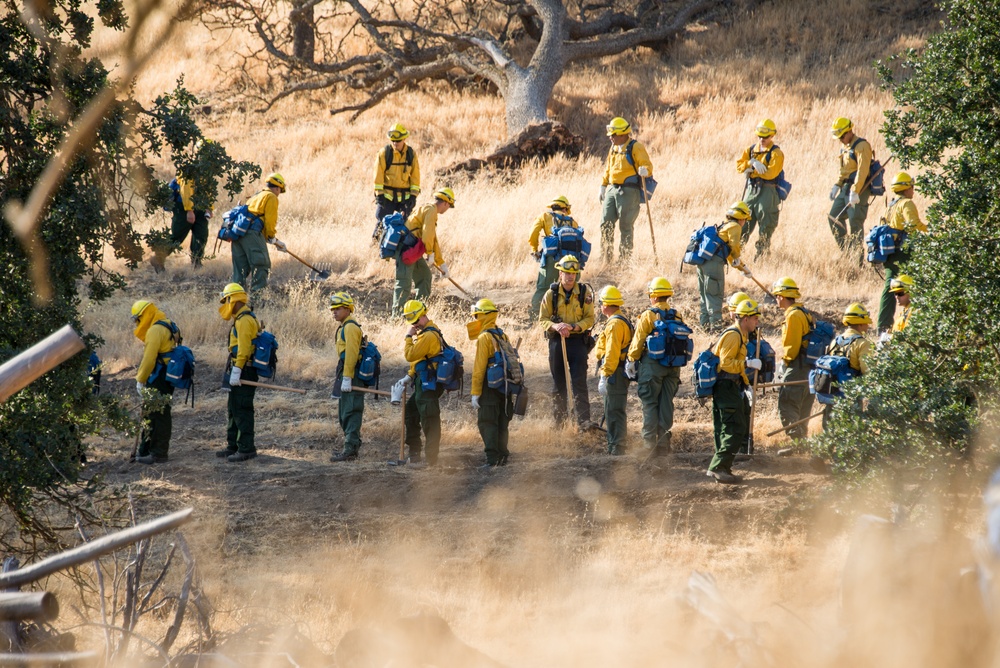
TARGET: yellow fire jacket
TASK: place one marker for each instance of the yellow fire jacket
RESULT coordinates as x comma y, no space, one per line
732,233
245,329
486,347
643,328
848,165
797,325
902,318
265,205
568,309
902,215
423,345
397,181
156,339
857,352
613,344
543,228
774,165
349,344
617,168
732,351
423,224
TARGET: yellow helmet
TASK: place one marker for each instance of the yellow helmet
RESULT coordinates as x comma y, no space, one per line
766,128
747,308
568,264
857,314
902,181
560,202
339,299
736,299
841,126
618,126
738,211
230,291
611,296
786,287
660,287
138,307
484,306
412,310
397,133
902,283
276,179
446,195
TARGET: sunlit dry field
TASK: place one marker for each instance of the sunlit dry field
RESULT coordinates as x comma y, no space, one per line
567,557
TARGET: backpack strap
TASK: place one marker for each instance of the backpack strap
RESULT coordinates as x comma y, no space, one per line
809,316
628,152
340,332
407,157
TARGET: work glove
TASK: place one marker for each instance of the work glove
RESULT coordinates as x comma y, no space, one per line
748,171
737,263
630,369
208,213
430,258
643,172
754,363
138,388
746,271
444,270
234,376
853,198
600,196
346,385
396,394
475,401
602,386
280,245
758,166
834,192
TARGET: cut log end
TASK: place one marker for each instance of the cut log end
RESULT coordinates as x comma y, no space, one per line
542,141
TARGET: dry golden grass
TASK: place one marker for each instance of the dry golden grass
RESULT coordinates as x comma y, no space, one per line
533,566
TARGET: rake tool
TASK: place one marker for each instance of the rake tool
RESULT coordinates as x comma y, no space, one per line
322,274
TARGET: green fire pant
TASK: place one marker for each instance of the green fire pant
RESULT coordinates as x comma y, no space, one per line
547,275
887,302
621,205
495,411
240,427
251,262
762,198
179,229
794,401
711,286
350,413
423,412
408,275
657,388
615,420
849,233
731,419
157,426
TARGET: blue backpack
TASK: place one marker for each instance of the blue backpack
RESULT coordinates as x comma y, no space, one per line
178,365
819,338
636,180
706,372
396,237
565,240
705,244
238,221
831,372
445,369
369,366
767,361
175,195
883,242
265,354
670,342
504,372
780,183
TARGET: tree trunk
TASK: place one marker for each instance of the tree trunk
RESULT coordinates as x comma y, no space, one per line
303,31
527,98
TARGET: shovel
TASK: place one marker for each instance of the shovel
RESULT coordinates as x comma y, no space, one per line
322,275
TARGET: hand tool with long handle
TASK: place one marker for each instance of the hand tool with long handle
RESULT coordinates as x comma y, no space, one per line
323,275
253,383
402,433
569,381
753,396
868,182
461,289
368,390
795,424
649,215
761,286
784,384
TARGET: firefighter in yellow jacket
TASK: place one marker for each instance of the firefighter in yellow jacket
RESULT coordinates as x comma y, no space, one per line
350,404
621,188
423,409
557,216
656,383
852,344
761,163
186,219
240,444
423,225
251,260
730,407
794,401
611,351
567,314
397,175
851,194
712,274
900,287
157,335
494,407
902,215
